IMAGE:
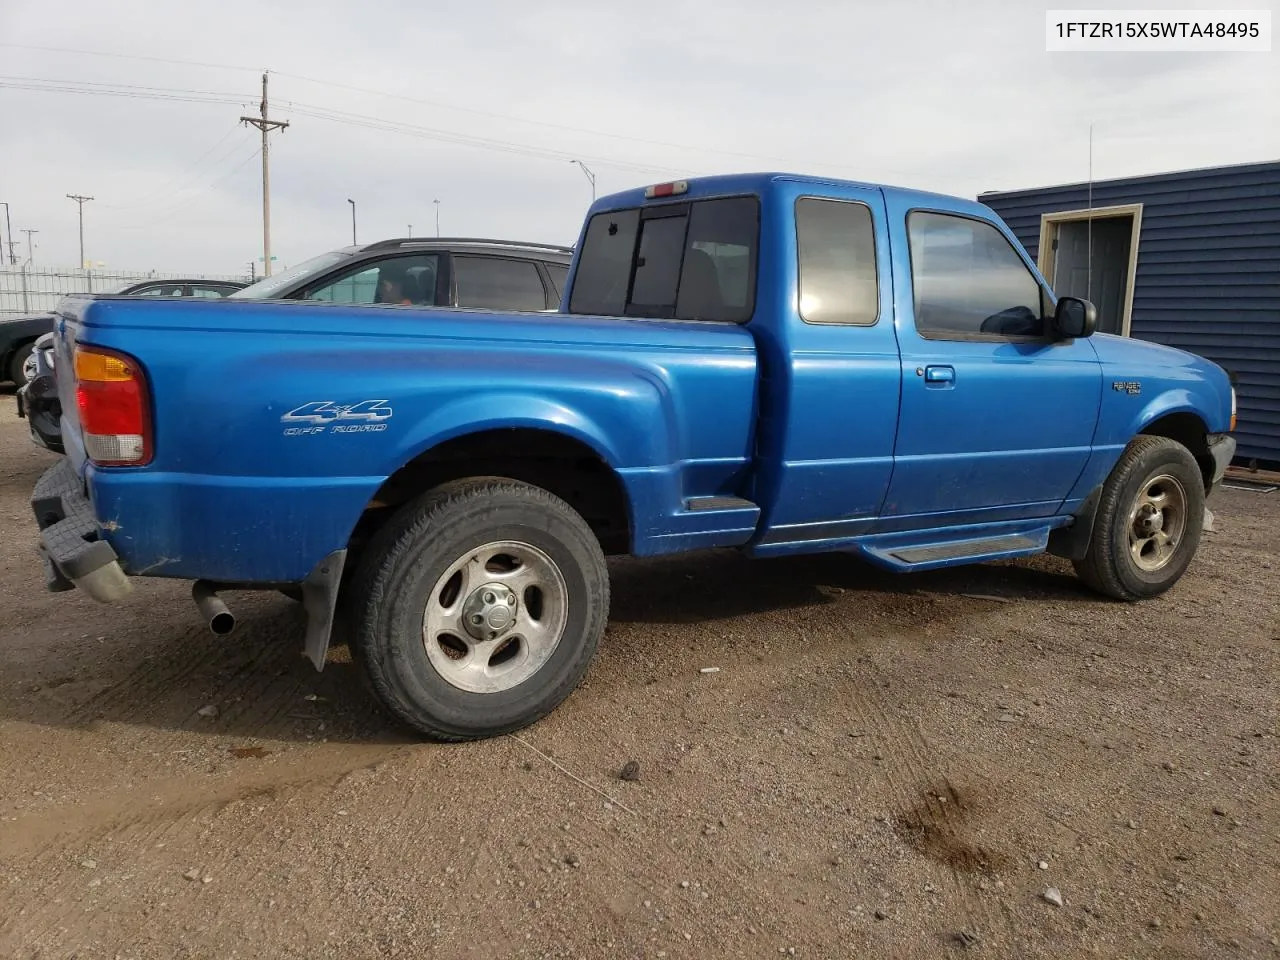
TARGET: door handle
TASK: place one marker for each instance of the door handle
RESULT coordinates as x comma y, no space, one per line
939,374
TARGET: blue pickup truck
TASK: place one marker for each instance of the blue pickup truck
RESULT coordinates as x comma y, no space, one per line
774,363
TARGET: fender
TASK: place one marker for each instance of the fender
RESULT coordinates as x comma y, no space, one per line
497,411
1168,402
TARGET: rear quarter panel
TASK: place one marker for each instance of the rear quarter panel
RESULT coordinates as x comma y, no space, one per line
239,491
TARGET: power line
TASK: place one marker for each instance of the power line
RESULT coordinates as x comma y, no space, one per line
435,104
377,123
46,86
126,56
322,113
394,96
173,207
538,123
163,191
130,86
430,133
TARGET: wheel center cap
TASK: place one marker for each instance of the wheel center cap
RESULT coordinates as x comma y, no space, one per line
1151,522
490,611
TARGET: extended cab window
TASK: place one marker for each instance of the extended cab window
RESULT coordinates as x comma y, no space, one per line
837,249
967,279
690,261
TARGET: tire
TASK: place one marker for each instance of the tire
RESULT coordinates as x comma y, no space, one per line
1125,559
16,362
489,548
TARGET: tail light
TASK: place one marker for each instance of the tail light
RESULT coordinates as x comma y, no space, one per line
111,393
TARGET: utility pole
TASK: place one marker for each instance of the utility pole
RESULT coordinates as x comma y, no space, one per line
353,220
411,231
31,256
437,203
13,260
266,126
80,202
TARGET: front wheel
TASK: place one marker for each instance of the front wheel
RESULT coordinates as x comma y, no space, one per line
1149,520
478,608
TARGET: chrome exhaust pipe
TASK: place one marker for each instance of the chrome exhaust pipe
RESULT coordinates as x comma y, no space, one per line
221,620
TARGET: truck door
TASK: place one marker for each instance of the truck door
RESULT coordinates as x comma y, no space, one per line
997,418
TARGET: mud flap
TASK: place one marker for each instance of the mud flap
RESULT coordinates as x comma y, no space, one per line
1073,542
320,600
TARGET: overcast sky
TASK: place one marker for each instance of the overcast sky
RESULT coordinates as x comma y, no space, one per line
957,97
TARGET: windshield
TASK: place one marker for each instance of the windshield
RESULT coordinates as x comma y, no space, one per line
273,286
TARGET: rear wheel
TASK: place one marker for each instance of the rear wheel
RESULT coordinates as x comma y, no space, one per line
478,608
1149,521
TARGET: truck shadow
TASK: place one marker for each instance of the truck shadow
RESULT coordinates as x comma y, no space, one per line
693,588
156,666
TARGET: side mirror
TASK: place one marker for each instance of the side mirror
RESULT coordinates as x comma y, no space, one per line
1075,317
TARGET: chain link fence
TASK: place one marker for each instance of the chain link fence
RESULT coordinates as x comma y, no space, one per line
27,290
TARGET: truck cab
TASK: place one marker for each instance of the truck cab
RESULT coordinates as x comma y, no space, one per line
915,370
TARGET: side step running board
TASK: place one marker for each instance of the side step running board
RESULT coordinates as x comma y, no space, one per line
970,548
926,556
718,503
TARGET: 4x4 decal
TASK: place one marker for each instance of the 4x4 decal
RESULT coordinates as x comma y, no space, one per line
321,416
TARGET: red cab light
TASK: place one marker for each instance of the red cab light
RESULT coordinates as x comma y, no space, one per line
111,394
673,189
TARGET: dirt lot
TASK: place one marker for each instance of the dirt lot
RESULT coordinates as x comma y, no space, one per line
883,766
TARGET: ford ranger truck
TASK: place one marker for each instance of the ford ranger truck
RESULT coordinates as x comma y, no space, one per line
773,363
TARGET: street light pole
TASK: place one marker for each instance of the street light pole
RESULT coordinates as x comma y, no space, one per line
590,176
437,203
80,202
9,230
353,220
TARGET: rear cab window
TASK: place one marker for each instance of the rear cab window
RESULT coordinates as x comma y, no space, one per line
695,260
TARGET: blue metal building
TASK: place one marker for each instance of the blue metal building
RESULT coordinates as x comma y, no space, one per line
1190,259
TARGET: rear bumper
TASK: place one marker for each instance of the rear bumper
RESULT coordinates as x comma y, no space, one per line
74,554
1222,448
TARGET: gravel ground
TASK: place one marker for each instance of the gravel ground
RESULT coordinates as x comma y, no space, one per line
882,766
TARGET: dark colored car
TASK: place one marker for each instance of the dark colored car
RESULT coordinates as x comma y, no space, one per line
21,359
418,271
436,272
18,335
